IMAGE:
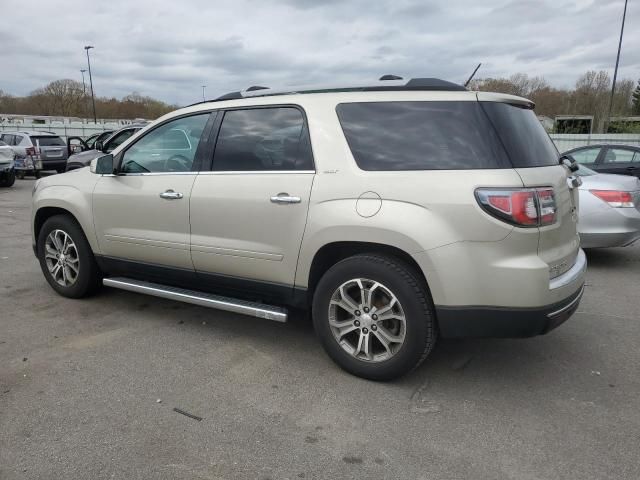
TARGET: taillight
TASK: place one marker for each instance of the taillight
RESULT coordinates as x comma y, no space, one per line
31,151
523,207
615,198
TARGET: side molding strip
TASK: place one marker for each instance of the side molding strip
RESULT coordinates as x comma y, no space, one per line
254,309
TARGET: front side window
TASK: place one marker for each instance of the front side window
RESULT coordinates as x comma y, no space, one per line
168,148
586,156
388,136
618,155
263,139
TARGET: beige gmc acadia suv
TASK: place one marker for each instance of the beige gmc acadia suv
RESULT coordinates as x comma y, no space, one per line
396,212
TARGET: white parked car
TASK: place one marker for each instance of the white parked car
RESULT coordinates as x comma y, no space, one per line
7,170
395,212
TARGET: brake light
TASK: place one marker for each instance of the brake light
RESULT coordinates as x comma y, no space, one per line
615,198
523,207
31,151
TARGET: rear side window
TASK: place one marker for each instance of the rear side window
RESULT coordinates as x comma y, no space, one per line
526,141
263,139
421,136
47,141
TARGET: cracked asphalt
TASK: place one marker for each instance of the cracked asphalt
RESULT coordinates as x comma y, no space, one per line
88,388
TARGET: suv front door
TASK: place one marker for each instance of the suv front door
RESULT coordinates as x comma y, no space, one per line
141,214
248,214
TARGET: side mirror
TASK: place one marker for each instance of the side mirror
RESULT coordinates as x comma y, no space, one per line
99,146
570,162
102,165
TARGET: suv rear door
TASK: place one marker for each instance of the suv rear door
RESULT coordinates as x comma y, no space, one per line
51,148
248,214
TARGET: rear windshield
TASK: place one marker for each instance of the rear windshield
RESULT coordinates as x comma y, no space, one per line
421,136
526,141
47,141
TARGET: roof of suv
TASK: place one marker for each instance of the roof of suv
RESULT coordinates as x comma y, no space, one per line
387,88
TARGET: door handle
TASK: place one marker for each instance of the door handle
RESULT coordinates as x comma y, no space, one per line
171,195
284,198
631,168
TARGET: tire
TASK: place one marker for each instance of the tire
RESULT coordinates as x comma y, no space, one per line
9,179
395,279
82,280
20,174
37,174
61,170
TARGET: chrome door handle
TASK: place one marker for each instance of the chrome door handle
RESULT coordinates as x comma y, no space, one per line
171,195
284,198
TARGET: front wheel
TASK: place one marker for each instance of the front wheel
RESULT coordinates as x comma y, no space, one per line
66,258
374,316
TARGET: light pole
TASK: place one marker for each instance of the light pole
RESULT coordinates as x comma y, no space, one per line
203,89
84,87
615,72
93,101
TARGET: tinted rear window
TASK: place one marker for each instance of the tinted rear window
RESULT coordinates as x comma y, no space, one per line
421,136
522,134
47,141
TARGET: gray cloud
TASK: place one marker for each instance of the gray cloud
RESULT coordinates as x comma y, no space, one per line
169,49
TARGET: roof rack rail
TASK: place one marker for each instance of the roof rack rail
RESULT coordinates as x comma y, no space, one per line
386,83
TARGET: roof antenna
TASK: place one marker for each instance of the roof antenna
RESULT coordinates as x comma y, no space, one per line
472,75
390,77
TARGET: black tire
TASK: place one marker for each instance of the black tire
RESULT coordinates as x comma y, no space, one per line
8,180
412,293
37,174
20,174
88,277
61,170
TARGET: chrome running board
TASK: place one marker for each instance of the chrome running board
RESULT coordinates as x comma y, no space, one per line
194,297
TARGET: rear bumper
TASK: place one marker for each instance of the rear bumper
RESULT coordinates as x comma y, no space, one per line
498,322
616,227
54,164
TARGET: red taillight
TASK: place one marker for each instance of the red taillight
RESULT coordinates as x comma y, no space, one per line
615,198
31,151
523,207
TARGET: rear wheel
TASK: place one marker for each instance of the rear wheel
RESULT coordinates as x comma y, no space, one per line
20,174
374,316
66,258
9,179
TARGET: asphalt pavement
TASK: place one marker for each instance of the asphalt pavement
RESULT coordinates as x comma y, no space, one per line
88,389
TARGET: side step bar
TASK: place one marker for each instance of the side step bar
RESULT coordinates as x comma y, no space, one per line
243,307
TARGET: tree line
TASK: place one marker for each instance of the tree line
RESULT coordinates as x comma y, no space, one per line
68,98
590,96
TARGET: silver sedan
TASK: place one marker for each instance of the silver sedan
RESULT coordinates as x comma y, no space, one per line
609,209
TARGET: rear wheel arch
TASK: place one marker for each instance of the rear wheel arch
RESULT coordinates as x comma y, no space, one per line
331,253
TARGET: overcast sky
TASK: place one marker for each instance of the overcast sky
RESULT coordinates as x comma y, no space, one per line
168,49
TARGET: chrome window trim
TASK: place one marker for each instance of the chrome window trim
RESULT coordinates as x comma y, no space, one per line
251,172
150,174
